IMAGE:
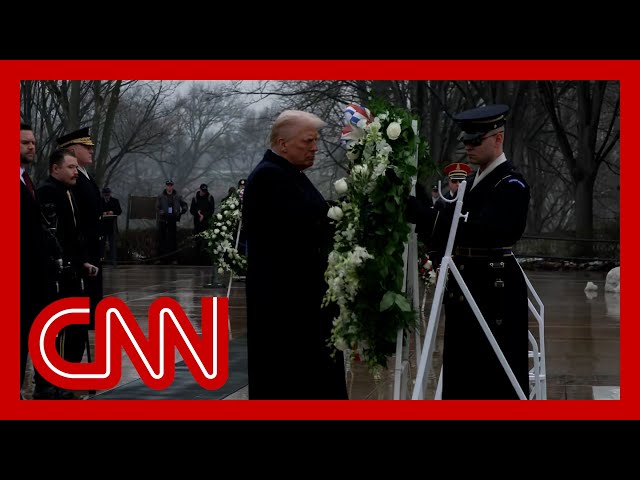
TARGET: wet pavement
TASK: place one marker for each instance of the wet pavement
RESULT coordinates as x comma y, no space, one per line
582,334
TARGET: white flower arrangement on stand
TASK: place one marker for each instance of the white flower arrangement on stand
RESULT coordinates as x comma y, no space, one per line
221,237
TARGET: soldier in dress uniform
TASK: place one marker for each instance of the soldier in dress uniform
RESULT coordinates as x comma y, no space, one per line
456,173
87,195
62,212
439,235
496,199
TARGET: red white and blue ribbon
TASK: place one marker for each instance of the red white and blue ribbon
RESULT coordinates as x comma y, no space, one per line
353,114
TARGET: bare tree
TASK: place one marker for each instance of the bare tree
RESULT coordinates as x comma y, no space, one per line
204,122
585,118
143,123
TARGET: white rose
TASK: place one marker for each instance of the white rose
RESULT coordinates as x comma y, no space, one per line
360,169
341,186
335,213
219,217
393,130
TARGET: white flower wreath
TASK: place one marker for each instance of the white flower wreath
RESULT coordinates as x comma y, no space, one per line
221,237
366,270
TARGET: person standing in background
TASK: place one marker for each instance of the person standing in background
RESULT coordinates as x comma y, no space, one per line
456,172
202,208
170,207
110,207
436,201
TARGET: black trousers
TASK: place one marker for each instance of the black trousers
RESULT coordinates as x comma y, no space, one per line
167,237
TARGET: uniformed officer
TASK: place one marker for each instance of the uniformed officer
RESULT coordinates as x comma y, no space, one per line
496,199
62,213
87,195
456,172
437,237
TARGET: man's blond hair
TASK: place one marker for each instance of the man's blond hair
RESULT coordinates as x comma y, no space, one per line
290,121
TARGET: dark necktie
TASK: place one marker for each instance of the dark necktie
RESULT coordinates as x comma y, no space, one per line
29,183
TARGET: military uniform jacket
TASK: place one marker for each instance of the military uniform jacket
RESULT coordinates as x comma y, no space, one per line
288,239
497,209
57,209
88,199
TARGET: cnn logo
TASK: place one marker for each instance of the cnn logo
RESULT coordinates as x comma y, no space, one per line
205,355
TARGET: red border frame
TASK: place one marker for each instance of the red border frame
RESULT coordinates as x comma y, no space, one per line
15,70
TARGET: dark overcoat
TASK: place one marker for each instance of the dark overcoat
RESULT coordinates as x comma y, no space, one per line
34,269
87,194
288,238
110,224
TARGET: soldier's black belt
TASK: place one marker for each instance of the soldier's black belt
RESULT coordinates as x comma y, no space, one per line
483,252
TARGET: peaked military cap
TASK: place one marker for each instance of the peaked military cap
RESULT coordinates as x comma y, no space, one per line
242,182
457,171
81,137
476,122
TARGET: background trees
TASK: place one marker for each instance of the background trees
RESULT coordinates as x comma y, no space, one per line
560,135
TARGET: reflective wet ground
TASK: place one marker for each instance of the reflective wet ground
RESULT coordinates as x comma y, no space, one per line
582,335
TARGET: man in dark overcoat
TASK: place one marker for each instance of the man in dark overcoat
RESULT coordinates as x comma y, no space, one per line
37,275
289,238
496,199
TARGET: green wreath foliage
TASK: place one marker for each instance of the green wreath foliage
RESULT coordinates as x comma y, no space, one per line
365,275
